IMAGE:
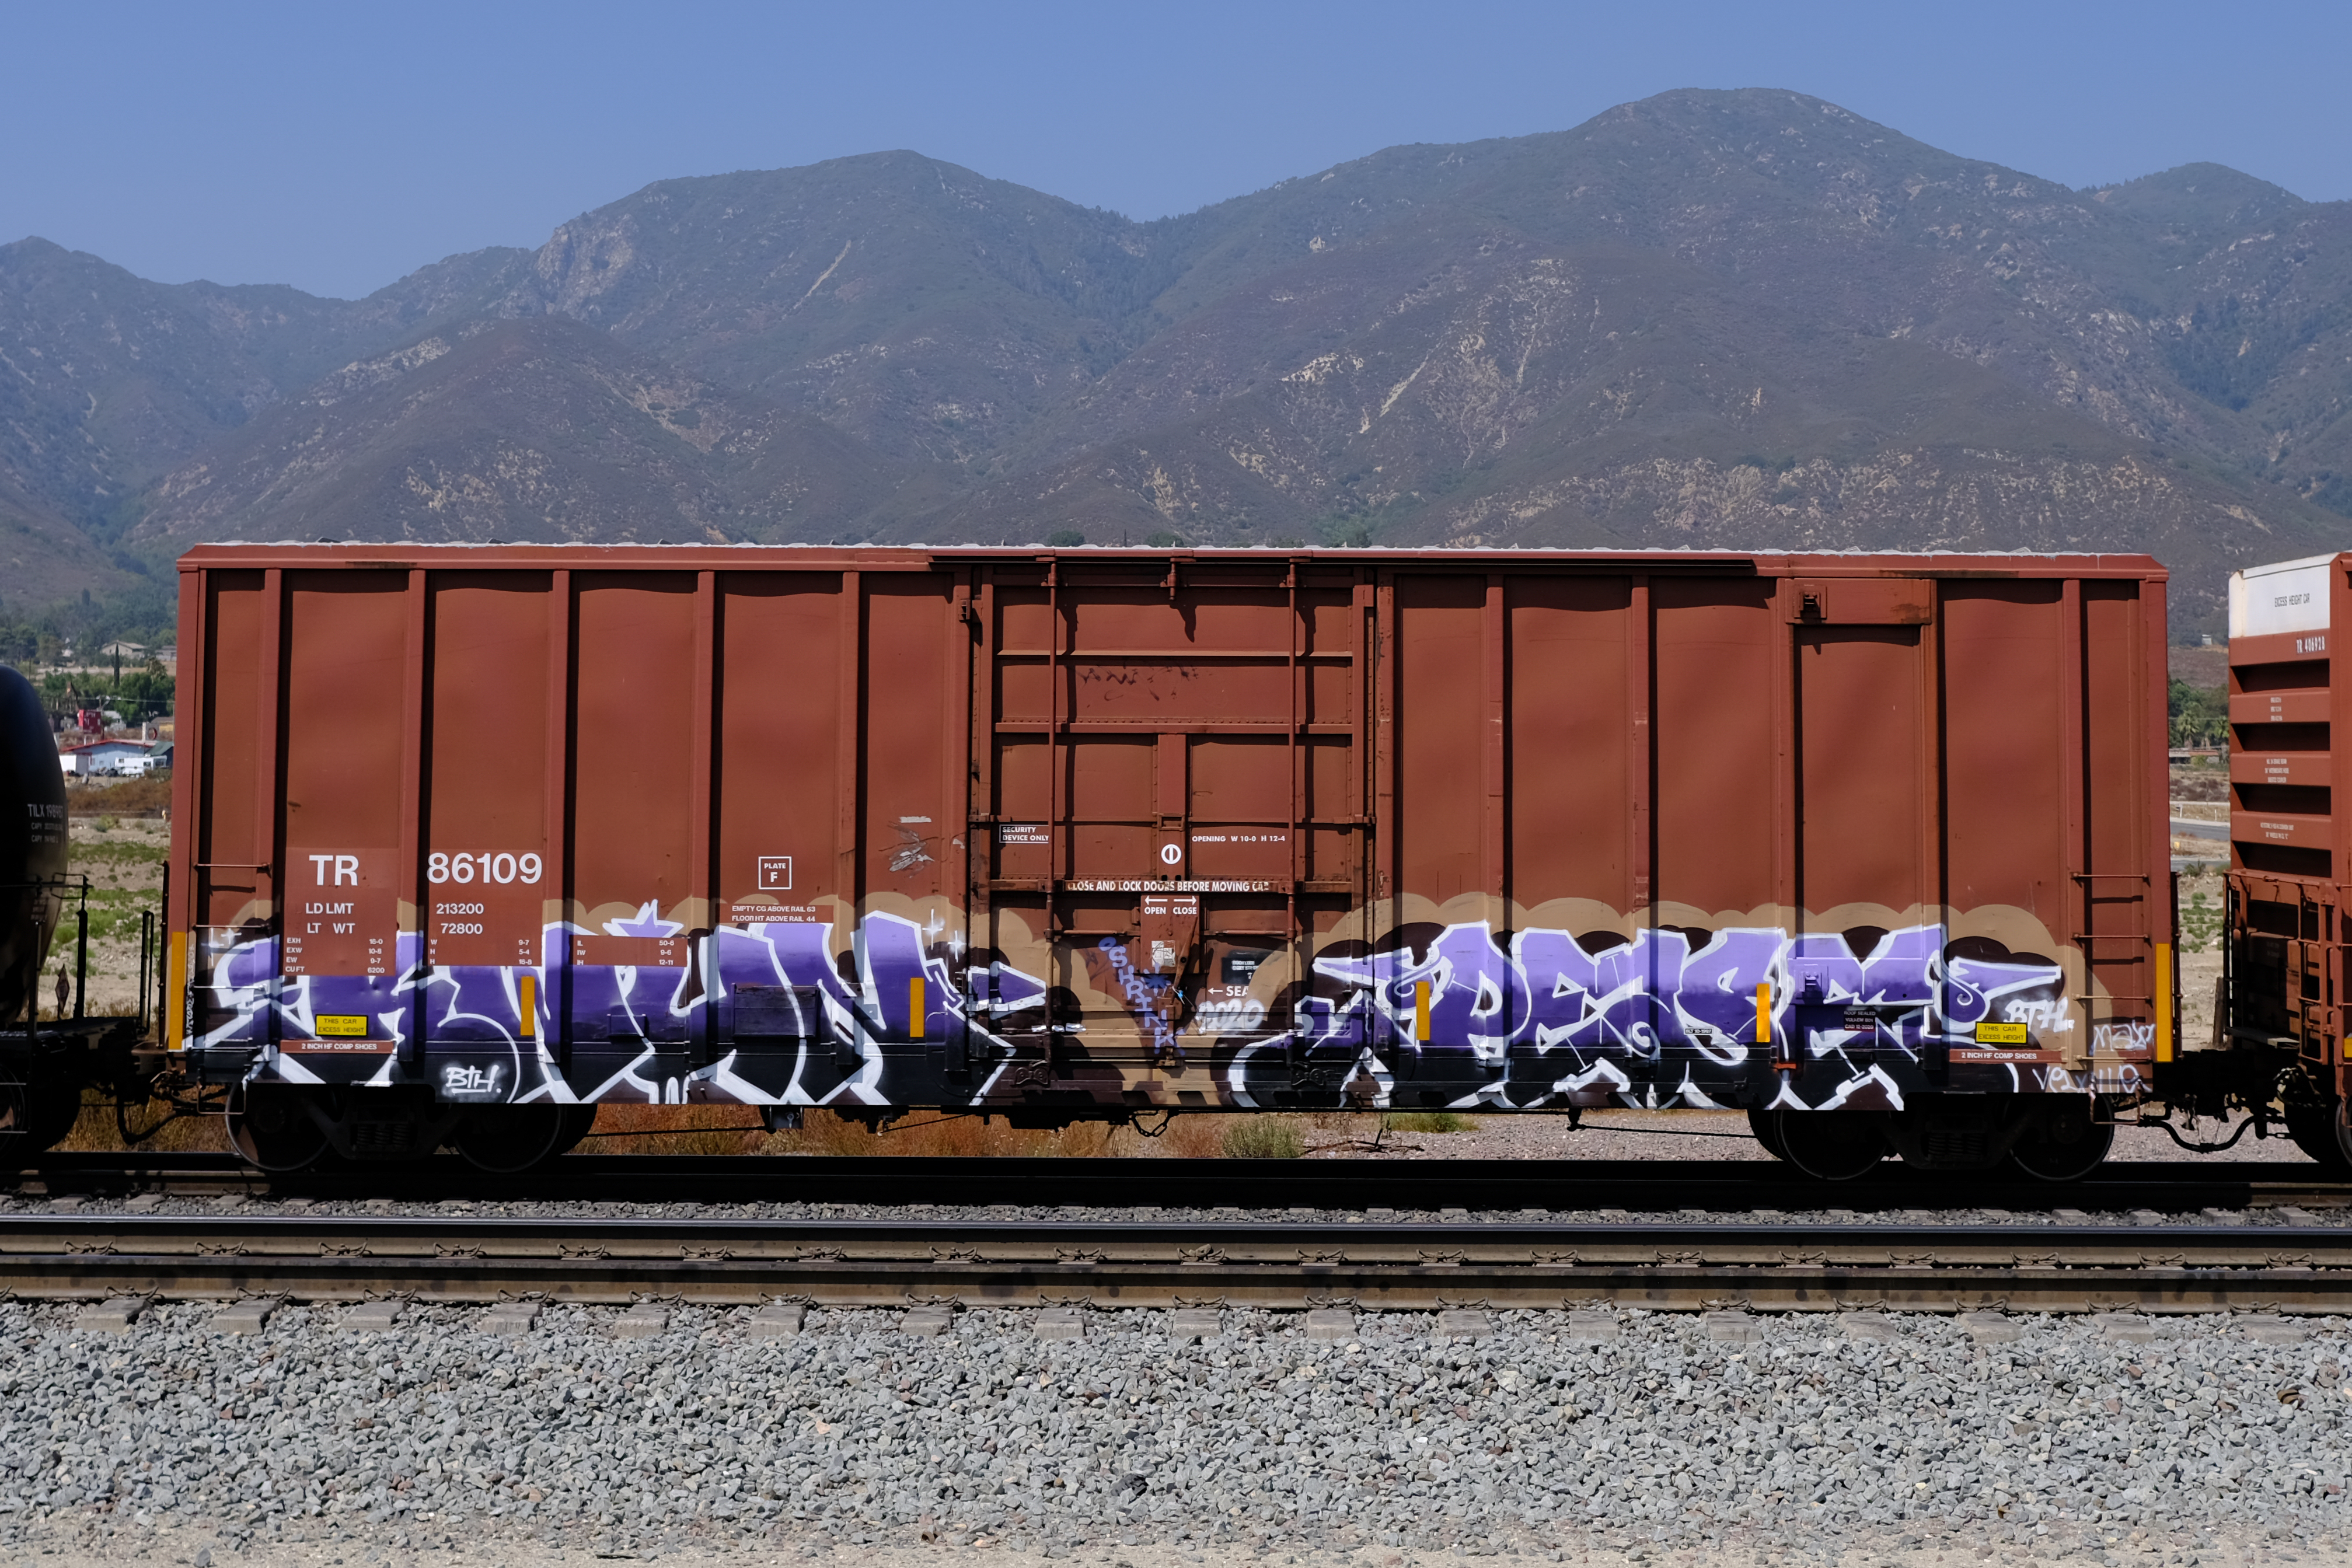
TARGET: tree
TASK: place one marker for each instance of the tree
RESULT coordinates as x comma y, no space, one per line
2201,715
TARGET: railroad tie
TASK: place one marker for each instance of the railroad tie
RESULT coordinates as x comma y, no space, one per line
2268,1330
249,1316
1990,1328
1733,1328
2121,1328
1061,1322
778,1320
511,1318
371,1317
1330,1322
1591,1325
1186,1324
1872,1326
928,1321
645,1321
114,1316
1461,1322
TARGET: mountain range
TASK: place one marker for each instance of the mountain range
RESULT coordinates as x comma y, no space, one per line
1743,319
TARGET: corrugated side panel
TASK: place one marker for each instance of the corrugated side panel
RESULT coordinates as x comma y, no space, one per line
1872,800
1037,832
2287,848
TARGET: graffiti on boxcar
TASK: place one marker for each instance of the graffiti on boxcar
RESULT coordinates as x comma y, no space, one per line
1145,995
776,1013
1656,1018
2123,1038
831,1040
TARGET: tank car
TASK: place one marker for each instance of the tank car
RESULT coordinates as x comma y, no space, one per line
474,840
40,1070
32,846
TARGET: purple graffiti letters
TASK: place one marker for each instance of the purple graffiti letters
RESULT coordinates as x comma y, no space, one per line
1142,994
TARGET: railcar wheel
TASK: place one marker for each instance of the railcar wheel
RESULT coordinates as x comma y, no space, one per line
273,1130
2063,1142
2340,1123
15,1122
579,1121
1830,1145
1765,1124
503,1139
2312,1127
51,1107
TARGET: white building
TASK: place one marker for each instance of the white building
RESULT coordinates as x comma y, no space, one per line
103,758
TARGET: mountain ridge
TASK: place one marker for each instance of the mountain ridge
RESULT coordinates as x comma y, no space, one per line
1704,317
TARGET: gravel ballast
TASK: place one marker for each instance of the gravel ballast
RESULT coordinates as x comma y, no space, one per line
1592,1434
2329,1215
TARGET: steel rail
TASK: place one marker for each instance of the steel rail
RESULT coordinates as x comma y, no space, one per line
1636,1186
1795,1267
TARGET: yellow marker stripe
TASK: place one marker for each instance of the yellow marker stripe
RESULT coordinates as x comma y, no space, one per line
1764,1013
175,990
915,1008
2163,1001
527,1003
1421,1009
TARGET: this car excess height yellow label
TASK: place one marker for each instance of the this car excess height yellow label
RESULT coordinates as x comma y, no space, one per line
1990,1033
345,1026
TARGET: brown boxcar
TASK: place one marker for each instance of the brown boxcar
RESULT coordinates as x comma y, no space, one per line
2287,909
470,835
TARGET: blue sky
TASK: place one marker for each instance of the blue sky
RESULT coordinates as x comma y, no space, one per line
336,147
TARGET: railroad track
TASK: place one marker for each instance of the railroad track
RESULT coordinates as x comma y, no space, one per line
1270,1263
1406,1185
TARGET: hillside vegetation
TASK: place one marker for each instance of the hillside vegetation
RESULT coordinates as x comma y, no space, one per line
1744,319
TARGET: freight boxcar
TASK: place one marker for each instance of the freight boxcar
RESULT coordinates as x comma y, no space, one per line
2286,912
473,839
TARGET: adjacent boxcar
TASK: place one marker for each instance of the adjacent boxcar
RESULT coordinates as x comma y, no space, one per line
2287,910
472,837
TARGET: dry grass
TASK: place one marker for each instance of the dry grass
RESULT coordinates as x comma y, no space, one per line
923,1134
929,1132
722,1129
735,1130
1194,1138
94,1131
145,797
677,1130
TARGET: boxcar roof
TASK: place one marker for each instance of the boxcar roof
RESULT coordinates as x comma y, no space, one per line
807,557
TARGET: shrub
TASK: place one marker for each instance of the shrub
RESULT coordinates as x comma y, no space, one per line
1263,1138
1428,1121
